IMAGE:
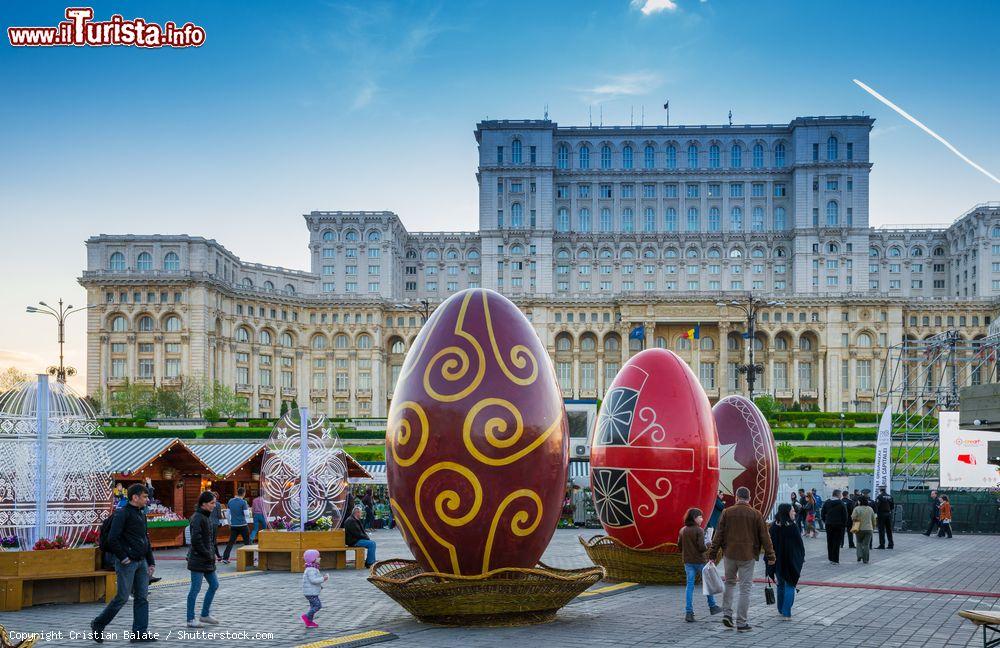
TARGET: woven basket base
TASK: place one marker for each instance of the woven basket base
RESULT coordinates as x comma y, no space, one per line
662,565
503,597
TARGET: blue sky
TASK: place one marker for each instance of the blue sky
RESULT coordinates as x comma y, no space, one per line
291,107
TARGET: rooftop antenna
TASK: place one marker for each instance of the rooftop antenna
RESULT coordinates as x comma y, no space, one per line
546,112
642,116
602,114
730,117
590,112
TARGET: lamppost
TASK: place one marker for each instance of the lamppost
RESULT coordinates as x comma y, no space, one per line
750,306
60,314
843,466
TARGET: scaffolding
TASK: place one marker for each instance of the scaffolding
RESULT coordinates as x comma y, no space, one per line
921,378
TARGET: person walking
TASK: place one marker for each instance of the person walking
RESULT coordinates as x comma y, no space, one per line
797,507
834,515
237,523
809,511
740,537
259,517
884,506
201,562
790,555
720,506
799,502
693,548
128,540
935,514
863,519
355,536
579,506
215,519
819,507
849,504
369,505
945,514
312,585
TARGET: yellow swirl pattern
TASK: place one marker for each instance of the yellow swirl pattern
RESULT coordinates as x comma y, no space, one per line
519,518
453,369
408,526
452,501
494,425
520,355
400,431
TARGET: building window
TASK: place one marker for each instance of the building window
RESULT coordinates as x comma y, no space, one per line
628,222
605,157
850,152
736,219
117,262
564,371
692,220
758,156
714,220
515,151
707,375
584,157
736,157
832,214
649,157
627,157
692,156
672,157
831,148
779,218
671,219
779,155
562,158
585,223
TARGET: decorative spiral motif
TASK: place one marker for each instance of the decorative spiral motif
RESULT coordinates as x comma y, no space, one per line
401,431
451,500
520,355
656,431
517,521
455,363
495,425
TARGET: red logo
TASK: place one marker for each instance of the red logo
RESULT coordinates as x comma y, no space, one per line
967,459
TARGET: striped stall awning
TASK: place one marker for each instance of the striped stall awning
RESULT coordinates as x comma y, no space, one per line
225,458
131,455
376,470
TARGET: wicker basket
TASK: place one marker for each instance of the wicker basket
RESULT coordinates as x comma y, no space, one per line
661,565
502,597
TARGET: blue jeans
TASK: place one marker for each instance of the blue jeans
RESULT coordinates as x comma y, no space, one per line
132,578
692,570
259,522
206,606
369,546
784,592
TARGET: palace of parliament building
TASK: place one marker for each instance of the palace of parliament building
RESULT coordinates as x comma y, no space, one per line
610,239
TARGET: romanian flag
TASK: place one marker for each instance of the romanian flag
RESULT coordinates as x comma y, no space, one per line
692,333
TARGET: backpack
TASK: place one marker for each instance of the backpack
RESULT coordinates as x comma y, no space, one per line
102,542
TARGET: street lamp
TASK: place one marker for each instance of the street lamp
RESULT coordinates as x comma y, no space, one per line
60,314
750,306
843,466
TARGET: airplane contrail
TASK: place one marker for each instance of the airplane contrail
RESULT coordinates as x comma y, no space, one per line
920,125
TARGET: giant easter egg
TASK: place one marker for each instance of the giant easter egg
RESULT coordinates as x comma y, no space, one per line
477,444
654,453
747,453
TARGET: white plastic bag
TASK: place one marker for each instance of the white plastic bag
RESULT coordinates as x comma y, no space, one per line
711,582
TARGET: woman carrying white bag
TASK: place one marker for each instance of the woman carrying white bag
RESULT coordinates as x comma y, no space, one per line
693,551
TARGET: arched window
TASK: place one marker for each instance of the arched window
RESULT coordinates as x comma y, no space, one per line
781,343
758,156
286,340
805,343
242,334
780,252
269,286
939,251
351,235
995,232
831,148
144,262
736,253
517,249
873,252
473,255
364,341
374,236
649,253
562,220
584,157
757,220
563,343
895,252
327,235
649,157
612,344
714,253
733,343
588,343
779,155
670,253
290,289
683,344
515,151
145,323
692,253
649,218
672,157
562,254
736,219
516,216
713,157
832,248
660,342
864,341
627,157
562,157
265,338
758,343
397,346
606,224
692,156
736,156
583,254
247,282
118,324
585,223
758,253
318,342
433,255
628,220
605,157
173,324
627,253
117,262
411,254
340,341
707,344
171,262
832,214
917,251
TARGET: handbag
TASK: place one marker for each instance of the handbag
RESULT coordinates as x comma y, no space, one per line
711,581
769,593
856,527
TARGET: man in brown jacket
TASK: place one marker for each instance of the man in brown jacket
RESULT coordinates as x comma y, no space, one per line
740,536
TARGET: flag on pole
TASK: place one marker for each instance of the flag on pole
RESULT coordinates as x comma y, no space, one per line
692,333
637,333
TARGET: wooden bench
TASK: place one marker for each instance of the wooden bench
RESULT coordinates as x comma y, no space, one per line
989,620
17,592
291,559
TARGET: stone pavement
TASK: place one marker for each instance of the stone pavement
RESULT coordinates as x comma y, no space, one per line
855,616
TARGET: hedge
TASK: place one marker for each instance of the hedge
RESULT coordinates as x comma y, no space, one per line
361,434
849,435
148,433
789,435
834,422
236,433
368,455
858,417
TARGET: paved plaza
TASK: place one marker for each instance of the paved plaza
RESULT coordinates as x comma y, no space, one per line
884,604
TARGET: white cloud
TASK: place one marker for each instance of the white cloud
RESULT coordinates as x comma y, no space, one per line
365,95
649,7
630,83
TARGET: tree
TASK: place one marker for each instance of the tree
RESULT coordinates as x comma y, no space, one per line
195,394
769,407
131,397
225,401
170,403
785,451
11,378
284,409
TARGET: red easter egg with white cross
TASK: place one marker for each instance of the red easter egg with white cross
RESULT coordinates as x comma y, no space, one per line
655,451
747,453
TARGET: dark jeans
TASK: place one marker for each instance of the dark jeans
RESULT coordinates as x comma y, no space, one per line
315,605
834,540
215,540
785,593
206,606
132,578
945,529
241,531
935,522
884,529
369,546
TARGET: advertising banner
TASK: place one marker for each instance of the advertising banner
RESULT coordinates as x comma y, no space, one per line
964,455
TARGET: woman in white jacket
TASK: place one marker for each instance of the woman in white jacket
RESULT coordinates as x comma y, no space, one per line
312,585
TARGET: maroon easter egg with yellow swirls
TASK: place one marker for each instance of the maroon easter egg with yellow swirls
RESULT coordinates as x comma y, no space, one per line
477,444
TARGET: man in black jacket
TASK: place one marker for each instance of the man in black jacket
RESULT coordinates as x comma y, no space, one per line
935,513
850,504
834,514
884,507
355,536
134,565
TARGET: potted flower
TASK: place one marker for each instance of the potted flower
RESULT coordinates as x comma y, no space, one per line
9,542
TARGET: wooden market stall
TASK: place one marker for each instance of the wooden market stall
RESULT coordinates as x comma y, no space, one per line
231,465
173,469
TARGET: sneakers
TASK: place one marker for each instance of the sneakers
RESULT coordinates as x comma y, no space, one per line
225,561
744,628
689,617
728,622
98,636
309,623
715,609
209,620
194,623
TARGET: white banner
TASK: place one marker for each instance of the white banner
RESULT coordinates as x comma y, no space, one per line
964,455
883,467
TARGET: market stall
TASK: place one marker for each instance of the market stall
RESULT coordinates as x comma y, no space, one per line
231,466
172,470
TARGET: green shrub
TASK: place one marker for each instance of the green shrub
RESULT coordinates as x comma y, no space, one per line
849,435
148,433
236,433
360,434
368,455
785,452
139,423
789,435
146,413
834,422
211,415
231,422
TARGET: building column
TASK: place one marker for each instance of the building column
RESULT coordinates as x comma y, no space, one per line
301,377
379,387
576,371
822,378
723,373
158,371
331,376
352,373
254,381
599,378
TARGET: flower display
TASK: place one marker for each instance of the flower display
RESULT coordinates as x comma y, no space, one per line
59,542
